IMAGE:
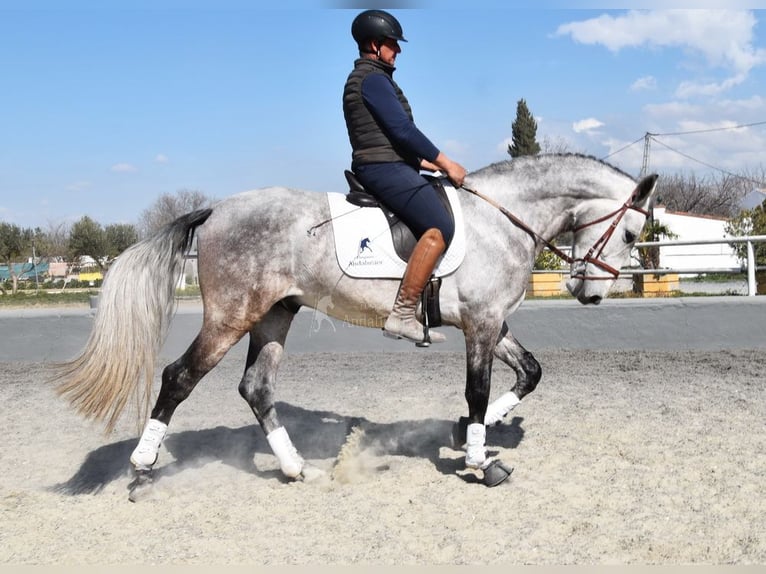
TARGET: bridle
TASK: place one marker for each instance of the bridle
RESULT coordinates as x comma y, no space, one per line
594,253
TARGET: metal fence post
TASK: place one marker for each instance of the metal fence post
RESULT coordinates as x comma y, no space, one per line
751,288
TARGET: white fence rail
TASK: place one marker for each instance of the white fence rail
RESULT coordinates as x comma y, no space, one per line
749,265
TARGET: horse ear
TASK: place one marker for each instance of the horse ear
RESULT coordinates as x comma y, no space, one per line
644,194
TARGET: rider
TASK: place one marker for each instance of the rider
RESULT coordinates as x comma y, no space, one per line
388,152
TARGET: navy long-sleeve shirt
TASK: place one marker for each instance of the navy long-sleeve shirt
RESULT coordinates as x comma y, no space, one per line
381,99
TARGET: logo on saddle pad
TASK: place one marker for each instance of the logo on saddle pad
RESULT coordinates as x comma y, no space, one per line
364,245
365,255
365,248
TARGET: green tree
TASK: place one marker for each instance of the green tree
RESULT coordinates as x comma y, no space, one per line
88,239
42,244
14,242
749,222
524,132
653,231
119,237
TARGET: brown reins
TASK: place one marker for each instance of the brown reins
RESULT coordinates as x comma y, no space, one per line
594,252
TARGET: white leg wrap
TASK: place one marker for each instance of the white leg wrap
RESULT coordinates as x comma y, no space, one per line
502,406
290,461
475,453
146,452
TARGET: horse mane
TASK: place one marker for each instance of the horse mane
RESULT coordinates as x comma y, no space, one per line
509,165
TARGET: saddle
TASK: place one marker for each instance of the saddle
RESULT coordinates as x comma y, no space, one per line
403,239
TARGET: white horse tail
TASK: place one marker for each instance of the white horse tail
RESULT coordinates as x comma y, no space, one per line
134,311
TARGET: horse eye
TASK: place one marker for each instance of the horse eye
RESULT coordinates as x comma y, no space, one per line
629,237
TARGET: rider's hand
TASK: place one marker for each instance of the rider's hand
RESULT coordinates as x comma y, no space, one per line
455,172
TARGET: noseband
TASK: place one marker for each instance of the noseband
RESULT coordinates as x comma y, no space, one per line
592,257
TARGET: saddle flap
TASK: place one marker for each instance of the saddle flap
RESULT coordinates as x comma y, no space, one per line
366,244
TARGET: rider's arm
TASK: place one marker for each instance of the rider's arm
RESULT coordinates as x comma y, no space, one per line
380,98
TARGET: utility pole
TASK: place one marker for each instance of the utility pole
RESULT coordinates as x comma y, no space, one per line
645,163
644,171
34,264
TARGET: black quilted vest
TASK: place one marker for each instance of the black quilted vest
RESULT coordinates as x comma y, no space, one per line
368,142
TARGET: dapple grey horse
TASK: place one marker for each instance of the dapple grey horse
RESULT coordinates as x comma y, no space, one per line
511,210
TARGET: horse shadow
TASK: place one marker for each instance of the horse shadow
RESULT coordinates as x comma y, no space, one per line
317,435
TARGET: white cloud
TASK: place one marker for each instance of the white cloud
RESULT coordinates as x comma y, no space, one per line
689,89
754,103
676,113
78,186
724,38
124,168
161,158
644,83
587,125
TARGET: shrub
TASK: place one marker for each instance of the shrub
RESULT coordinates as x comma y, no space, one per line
749,222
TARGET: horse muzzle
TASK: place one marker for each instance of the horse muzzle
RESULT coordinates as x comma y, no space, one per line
580,289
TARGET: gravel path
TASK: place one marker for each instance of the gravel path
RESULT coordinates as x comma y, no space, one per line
627,457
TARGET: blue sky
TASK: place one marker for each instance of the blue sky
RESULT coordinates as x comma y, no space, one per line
103,109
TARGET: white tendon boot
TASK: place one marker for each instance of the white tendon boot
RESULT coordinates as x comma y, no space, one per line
497,411
290,461
475,453
146,452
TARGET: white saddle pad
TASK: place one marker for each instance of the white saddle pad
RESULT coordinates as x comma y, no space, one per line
363,243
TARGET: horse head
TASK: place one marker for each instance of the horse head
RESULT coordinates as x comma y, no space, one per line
603,242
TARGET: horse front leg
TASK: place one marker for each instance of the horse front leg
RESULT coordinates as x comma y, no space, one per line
480,345
528,373
478,381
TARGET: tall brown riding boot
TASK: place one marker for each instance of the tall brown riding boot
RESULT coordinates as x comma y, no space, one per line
402,323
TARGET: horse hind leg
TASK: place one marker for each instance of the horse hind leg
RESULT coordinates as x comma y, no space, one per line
178,381
267,340
528,373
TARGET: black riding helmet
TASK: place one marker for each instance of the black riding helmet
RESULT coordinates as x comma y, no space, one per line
375,25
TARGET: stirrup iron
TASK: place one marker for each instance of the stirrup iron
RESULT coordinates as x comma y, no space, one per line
426,342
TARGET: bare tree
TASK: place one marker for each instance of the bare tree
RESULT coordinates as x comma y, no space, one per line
168,207
556,144
708,195
57,241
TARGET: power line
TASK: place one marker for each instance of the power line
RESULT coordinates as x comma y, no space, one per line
709,130
623,148
704,163
653,136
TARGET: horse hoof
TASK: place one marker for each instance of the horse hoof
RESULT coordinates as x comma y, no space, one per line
141,485
496,473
